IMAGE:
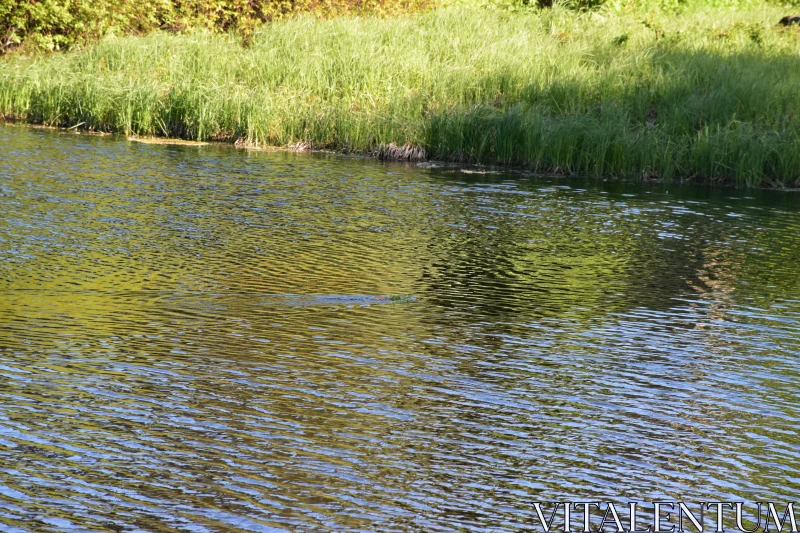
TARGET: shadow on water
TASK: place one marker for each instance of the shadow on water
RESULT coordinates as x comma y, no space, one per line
189,340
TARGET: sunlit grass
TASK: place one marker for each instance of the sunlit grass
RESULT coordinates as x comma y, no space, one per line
707,94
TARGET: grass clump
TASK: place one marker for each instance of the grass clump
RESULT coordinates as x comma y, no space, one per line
701,93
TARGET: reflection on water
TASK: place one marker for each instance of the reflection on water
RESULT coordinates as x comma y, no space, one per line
198,339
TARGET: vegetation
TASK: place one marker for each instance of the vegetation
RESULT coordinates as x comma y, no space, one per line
59,24
675,91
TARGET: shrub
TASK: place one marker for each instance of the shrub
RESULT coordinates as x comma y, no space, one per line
59,24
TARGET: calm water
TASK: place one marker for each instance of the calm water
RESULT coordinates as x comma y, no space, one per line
194,339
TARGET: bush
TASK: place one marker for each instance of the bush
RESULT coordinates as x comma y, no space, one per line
59,24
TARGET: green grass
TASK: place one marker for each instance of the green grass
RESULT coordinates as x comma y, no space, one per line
705,94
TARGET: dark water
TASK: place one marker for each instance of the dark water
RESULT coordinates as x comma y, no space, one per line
195,339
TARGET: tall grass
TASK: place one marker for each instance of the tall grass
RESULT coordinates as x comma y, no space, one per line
706,94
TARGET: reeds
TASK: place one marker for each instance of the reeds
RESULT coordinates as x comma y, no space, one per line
707,94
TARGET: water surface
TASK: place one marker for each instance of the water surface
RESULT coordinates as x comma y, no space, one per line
198,339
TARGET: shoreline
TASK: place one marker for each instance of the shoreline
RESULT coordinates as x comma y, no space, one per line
442,166
706,95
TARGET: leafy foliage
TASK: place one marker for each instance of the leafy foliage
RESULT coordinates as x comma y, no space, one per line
59,24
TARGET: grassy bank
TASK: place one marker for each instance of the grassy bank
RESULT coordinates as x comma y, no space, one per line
706,94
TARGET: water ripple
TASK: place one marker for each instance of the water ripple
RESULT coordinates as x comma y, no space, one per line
201,340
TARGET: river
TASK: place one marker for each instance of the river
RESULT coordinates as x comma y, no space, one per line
202,339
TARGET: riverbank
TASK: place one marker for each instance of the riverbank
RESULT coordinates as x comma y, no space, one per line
706,94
